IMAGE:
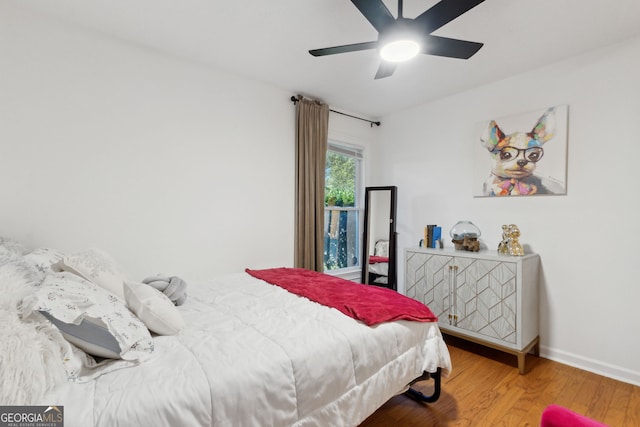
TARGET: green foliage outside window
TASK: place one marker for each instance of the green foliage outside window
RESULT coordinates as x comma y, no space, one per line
340,184
340,223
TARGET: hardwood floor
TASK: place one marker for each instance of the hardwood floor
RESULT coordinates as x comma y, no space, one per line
485,389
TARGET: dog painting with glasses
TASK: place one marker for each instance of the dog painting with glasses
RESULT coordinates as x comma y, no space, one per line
515,158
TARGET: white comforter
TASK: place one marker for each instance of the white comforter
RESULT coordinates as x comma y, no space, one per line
253,354
381,268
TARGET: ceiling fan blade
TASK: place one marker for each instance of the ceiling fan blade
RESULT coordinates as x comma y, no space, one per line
444,12
376,13
385,69
451,48
344,49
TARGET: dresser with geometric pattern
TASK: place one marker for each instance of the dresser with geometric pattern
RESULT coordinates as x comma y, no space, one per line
484,297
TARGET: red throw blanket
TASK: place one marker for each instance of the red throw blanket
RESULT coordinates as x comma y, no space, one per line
374,259
369,304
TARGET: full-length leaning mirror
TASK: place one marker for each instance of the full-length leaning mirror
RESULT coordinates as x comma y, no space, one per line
379,237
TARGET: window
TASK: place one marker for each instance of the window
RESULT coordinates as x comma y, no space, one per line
342,207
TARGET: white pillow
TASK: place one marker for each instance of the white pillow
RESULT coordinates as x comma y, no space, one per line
381,248
154,308
91,318
97,267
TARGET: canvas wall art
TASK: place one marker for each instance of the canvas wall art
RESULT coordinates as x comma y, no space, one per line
522,155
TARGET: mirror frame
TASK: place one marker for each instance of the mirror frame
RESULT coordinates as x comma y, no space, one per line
392,273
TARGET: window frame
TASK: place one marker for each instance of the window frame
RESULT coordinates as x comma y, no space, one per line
356,152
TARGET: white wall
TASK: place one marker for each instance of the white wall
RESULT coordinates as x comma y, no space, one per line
590,285
167,165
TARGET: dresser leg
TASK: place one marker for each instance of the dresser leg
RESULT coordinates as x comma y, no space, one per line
533,345
521,360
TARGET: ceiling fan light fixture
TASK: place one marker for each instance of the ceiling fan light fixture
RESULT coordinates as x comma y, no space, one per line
400,38
400,50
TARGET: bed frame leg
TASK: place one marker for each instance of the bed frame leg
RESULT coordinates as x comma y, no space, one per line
415,394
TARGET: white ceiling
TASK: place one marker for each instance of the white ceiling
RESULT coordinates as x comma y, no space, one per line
269,41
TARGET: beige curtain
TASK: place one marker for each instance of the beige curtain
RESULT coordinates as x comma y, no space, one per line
312,127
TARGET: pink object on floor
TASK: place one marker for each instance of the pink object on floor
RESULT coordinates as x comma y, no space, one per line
558,416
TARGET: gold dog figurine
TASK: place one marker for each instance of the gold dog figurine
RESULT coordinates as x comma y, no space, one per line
510,244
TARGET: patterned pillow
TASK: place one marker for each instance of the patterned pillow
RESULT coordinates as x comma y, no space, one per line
91,318
97,267
42,259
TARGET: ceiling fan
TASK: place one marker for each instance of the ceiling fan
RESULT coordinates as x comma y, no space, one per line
400,39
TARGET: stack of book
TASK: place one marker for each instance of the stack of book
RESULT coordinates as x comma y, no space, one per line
432,236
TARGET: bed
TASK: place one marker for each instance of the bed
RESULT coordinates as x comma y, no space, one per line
249,353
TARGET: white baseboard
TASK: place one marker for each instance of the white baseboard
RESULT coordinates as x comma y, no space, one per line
591,365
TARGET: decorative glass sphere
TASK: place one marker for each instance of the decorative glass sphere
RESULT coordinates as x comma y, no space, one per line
464,229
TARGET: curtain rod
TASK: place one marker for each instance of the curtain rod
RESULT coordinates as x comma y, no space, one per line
371,123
